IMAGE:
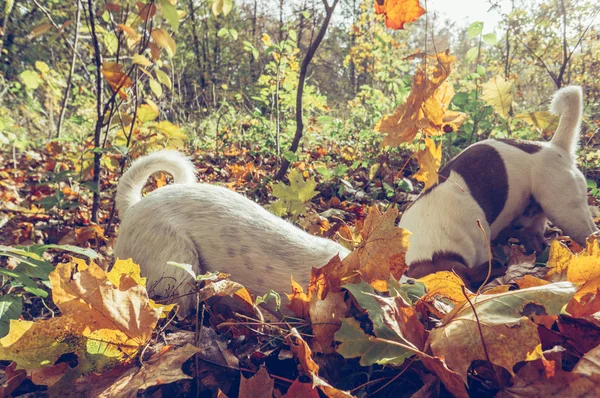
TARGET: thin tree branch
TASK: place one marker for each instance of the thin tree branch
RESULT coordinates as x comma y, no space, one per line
71,71
99,112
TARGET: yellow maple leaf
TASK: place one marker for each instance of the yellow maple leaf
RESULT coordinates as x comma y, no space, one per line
582,268
399,12
426,107
102,322
429,160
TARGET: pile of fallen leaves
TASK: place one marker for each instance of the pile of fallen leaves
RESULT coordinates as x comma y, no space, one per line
362,328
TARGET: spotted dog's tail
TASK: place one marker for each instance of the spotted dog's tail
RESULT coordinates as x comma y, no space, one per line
568,103
129,190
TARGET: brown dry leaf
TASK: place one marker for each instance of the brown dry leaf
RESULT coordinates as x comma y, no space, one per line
49,375
453,382
325,317
530,281
258,386
163,39
89,233
399,12
13,379
301,390
301,350
429,160
162,368
402,319
459,342
426,107
532,379
118,81
382,252
586,307
299,301
145,11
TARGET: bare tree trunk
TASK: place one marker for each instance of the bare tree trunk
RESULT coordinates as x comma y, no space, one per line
301,79
99,113
65,101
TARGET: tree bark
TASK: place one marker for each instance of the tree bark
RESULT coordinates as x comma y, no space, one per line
302,78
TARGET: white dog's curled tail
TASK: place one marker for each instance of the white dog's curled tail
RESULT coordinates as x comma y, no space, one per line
568,103
129,190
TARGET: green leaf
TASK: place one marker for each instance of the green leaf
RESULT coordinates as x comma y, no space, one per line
8,6
490,38
155,87
293,197
356,343
481,70
270,296
31,79
222,32
474,29
472,54
42,66
40,249
10,308
169,11
292,35
111,42
233,33
163,78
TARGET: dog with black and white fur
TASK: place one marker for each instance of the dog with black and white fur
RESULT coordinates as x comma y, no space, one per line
498,184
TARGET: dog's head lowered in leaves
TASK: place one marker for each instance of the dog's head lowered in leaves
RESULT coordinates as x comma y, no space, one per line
494,183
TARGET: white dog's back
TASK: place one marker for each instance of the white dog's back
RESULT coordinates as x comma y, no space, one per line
211,228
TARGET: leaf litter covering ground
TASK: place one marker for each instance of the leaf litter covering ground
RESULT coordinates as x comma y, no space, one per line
538,331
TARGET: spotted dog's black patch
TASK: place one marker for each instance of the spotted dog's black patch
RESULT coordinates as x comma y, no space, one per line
526,146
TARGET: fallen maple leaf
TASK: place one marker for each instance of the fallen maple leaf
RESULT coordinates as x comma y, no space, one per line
429,160
301,390
399,12
258,386
532,380
382,250
582,268
501,318
101,322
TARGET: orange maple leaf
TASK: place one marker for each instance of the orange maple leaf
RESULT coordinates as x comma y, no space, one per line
426,108
399,12
382,250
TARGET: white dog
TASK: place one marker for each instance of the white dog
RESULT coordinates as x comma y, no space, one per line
211,228
499,182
